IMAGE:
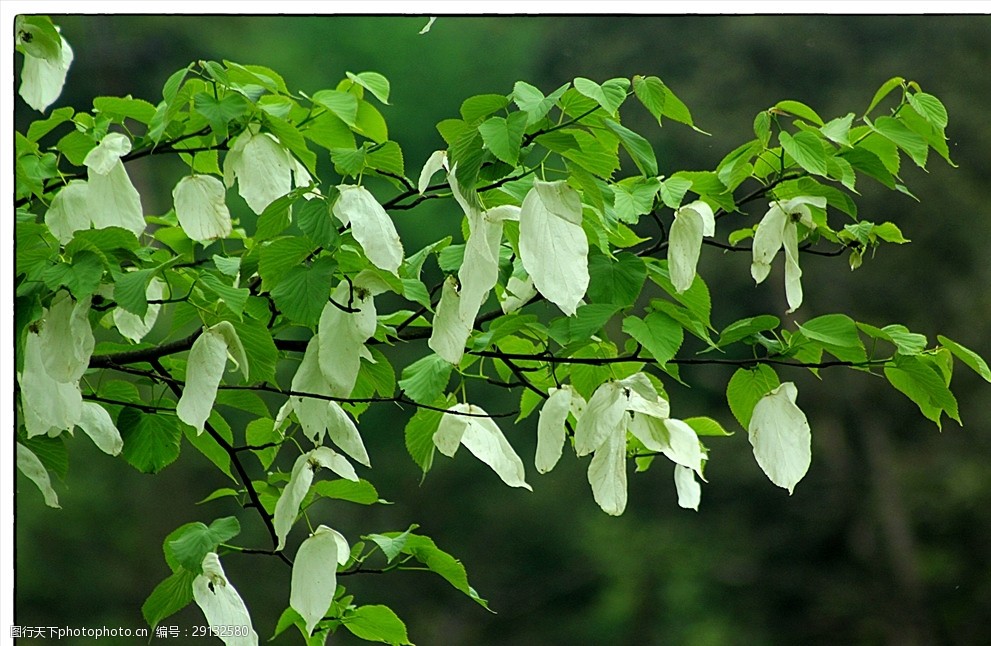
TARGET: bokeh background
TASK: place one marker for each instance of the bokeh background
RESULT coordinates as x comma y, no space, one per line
886,541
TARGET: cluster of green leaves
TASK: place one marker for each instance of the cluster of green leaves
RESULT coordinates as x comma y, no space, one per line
290,266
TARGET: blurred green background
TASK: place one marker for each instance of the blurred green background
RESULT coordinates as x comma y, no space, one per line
886,541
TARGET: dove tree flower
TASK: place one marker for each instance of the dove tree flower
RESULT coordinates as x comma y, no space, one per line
469,425
111,199
204,370
222,605
779,227
314,574
781,437
263,168
300,480
201,208
691,223
371,226
47,58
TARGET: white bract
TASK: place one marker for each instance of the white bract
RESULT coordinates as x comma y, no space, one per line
371,226
482,437
111,197
201,209
518,293
779,227
314,574
342,336
96,422
551,431
204,370
436,161
49,406
317,415
262,167
781,437
29,464
42,78
300,479
69,211
630,405
134,327
67,338
689,490
222,605
691,223
553,246
449,333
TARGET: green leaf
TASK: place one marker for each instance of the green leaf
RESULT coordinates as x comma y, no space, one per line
51,451
376,624
633,197
370,123
169,597
673,191
616,282
425,379
386,158
639,148
313,218
219,112
884,91
280,256
807,150
660,334
747,327
329,131
197,539
762,128
586,321
746,388
233,297
931,108
151,441
921,382
707,426
38,37
838,130
262,431
610,95
832,329
419,436
391,546
651,93
906,342
303,292
82,275
799,109
476,108
361,492
374,83
968,356
424,550
532,101
503,136
343,105
898,133
42,127
583,149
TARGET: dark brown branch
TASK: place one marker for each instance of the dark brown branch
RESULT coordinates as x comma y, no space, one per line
143,354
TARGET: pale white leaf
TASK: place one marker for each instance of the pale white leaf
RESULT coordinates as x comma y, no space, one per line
345,434
691,222
642,397
551,432
29,464
553,246
104,157
96,422
342,337
49,406
287,507
450,430
371,226
69,211
689,490
311,412
235,349
134,327
449,333
486,442
650,431
42,79
781,437
607,473
604,416
518,293
114,202
480,269
327,458
767,241
503,213
66,338
262,167
201,208
793,273
204,370
314,576
222,605
683,446
434,163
